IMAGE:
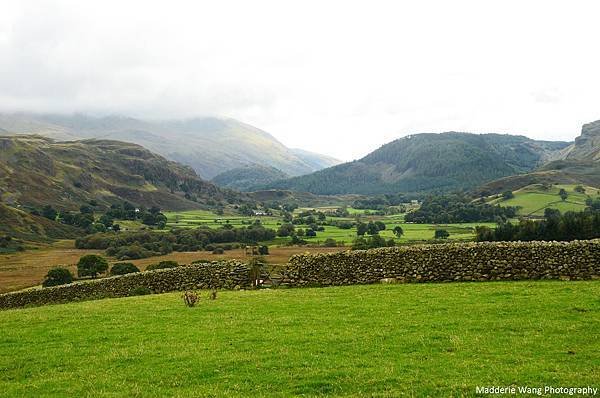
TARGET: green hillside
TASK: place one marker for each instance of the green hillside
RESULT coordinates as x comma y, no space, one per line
429,162
248,177
37,171
534,199
378,340
209,145
21,225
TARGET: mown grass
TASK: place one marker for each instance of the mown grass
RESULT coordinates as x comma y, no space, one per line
378,340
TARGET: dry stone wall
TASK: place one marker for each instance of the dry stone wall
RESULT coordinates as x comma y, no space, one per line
223,275
486,261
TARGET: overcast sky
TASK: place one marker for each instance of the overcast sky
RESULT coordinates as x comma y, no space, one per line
340,78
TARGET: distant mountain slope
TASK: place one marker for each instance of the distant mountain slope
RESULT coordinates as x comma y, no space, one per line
315,160
579,163
209,145
248,177
427,162
36,171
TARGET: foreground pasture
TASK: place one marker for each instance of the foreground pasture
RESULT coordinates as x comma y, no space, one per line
382,340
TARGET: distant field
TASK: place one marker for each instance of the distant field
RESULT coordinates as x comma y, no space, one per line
378,340
412,232
533,200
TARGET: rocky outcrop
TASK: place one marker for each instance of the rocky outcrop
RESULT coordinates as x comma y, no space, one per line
587,145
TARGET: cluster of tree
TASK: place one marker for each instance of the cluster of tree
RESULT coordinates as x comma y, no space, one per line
381,202
86,219
90,265
372,242
372,228
132,245
555,226
455,208
309,217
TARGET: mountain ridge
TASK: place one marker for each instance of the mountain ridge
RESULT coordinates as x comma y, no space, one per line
429,162
210,145
36,171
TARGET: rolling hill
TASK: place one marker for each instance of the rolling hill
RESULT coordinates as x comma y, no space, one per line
429,162
248,177
209,145
22,225
36,171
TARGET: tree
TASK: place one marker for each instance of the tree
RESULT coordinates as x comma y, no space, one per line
361,228
441,234
285,230
91,265
563,194
507,195
123,268
85,209
49,212
263,250
58,276
372,228
398,231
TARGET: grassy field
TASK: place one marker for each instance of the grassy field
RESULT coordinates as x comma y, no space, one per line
533,200
377,340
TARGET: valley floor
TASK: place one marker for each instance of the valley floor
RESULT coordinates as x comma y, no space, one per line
377,340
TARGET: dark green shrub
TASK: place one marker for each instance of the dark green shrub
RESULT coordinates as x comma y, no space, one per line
330,242
123,268
263,250
441,234
140,291
91,265
163,265
58,276
218,250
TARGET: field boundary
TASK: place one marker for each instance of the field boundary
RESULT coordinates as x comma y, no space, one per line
452,262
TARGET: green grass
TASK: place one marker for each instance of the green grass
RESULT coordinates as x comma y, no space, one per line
378,340
533,200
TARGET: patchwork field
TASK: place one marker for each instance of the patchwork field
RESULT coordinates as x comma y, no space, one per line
377,340
412,232
533,200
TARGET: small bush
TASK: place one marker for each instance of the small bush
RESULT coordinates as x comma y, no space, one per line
163,265
218,250
263,250
190,298
330,242
58,276
123,268
441,234
140,291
